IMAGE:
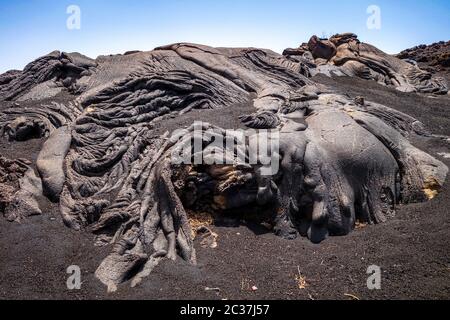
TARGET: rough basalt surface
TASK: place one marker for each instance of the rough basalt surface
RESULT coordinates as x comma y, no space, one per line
110,167
435,57
344,55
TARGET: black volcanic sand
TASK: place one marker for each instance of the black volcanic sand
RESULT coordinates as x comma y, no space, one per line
412,249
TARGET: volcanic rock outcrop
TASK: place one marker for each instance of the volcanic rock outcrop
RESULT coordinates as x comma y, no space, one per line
344,54
19,189
115,174
436,56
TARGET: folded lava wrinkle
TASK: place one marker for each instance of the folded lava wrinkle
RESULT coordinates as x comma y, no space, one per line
112,171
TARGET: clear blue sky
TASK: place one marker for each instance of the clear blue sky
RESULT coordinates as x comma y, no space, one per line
31,28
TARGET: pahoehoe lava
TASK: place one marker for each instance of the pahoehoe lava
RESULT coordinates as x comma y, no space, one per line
111,171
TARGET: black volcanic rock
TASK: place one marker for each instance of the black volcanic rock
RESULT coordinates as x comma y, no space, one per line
46,74
323,49
435,56
109,160
344,54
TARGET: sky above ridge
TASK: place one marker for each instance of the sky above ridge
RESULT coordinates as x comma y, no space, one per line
32,28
